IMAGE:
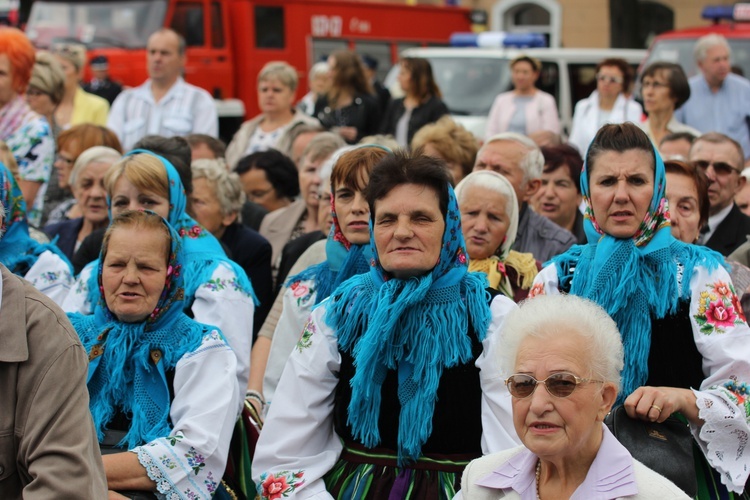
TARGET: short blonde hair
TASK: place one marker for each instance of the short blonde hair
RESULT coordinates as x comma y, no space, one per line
47,76
75,53
280,71
454,143
145,172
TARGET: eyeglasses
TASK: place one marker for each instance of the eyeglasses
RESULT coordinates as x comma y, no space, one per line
608,78
653,85
258,193
560,385
34,92
721,168
61,158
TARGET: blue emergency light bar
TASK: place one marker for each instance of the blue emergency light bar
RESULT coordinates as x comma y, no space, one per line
718,13
498,39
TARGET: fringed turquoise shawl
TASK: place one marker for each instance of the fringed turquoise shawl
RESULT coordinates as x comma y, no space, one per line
633,279
343,260
128,361
18,250
202,251
417,326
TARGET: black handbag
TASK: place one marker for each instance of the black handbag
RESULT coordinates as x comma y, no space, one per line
666,448
109,445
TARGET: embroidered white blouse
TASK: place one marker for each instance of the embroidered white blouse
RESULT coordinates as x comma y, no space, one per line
51,275
298,445
218,302
190,462
722,336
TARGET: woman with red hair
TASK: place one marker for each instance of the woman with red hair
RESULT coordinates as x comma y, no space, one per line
27,134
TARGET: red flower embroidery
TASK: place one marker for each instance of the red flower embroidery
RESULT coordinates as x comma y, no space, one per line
537,289
722,289
738,307
274,487
720,315
298,290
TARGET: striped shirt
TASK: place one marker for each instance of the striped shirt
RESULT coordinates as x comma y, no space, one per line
185,109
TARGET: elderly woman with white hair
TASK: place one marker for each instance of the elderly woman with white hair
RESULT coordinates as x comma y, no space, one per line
318,79
272,129
87,183
489,220
572,347
217,200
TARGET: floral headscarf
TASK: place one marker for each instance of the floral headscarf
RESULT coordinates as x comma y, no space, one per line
636,278
18,251
381,321
128,361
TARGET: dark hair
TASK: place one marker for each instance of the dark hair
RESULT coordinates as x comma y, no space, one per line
352,166
217,146
678,136
421,77
699,179
536,65
679,88
623,66
567,156
349,75
619,137
176,151
279,168
404,167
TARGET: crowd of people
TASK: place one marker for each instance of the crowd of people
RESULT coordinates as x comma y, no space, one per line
367,287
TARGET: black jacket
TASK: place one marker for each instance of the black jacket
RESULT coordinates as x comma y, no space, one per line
363,114
731,233
67,233
426,113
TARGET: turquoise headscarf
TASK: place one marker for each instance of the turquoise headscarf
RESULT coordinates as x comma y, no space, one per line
202,252
636,278
416,326
18,250
128,361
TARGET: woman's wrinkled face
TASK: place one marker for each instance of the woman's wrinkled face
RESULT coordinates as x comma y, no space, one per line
558,198
7,92
657,96
684,207
484,220
353,213
40,102
621,186
609,81
309,180
207,208
408,230
90,193
553,427
134,272
126,196
274,96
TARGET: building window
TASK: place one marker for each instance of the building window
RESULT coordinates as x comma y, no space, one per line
529,16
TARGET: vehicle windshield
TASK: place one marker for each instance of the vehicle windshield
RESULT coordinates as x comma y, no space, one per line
125,24
469,85
681,52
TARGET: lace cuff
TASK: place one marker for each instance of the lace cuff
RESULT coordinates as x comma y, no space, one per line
724,435
165,488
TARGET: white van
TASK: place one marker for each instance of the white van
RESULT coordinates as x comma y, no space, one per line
471,78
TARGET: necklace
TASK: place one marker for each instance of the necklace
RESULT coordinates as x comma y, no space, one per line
538,475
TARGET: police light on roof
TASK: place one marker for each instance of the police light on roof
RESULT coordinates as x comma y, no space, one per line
498,39
718,13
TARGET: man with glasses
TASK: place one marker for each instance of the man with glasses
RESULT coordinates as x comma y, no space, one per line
719,100
721,158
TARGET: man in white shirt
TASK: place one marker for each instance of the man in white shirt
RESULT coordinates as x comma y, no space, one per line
721,158
164,104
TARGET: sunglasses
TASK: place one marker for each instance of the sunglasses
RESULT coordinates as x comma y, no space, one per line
609,79
560,385
721,168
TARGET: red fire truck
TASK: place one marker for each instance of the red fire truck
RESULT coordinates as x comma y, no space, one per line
229,41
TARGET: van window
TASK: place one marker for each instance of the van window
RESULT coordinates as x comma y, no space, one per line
217,28
269,28
188,22
549,79
469,85
322,48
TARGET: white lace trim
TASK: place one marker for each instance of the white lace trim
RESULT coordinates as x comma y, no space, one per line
724,437
165,488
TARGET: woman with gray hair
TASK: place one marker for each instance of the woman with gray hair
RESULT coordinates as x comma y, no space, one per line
277,84
489,221
572,347
318,80
217,199
87,183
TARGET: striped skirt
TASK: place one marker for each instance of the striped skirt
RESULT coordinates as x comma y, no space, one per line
363,473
